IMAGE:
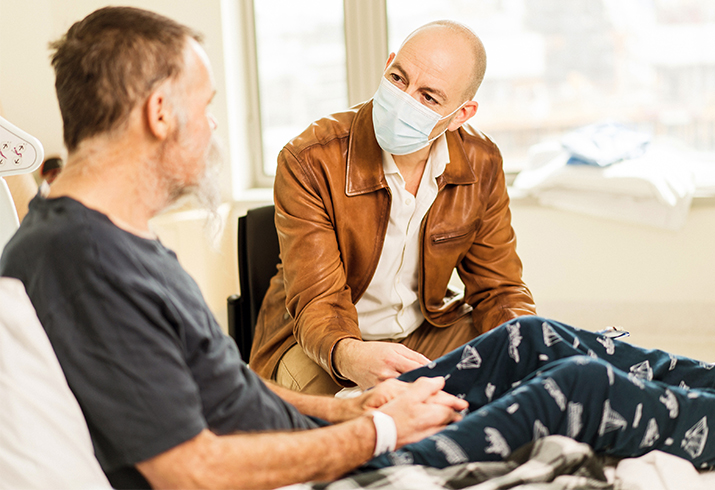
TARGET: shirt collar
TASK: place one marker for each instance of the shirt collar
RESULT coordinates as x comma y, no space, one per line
439,156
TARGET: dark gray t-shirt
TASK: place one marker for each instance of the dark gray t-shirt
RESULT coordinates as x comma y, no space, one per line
140,349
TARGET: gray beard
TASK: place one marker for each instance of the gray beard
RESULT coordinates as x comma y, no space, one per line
205,195
208,192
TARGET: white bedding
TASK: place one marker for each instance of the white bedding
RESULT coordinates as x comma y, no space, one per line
44,440
552,463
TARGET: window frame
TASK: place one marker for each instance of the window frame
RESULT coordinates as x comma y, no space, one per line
366,52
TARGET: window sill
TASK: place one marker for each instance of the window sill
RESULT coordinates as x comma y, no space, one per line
260,196
701,198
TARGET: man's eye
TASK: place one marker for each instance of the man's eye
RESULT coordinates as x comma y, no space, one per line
395,78
428,98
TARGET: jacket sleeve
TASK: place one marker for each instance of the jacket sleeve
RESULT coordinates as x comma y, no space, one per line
491,269
317,294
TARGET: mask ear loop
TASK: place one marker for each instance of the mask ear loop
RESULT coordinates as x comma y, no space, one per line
445,117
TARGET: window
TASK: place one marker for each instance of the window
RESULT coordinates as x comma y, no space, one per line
553,65
301,68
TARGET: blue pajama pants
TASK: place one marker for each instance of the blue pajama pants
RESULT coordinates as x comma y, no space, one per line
533,377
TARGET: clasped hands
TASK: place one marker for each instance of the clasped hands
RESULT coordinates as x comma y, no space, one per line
419,409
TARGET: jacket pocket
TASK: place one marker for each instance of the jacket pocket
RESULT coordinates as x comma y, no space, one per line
454,235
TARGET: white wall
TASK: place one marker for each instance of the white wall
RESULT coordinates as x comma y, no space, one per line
28,98
586,271
26,78
594,272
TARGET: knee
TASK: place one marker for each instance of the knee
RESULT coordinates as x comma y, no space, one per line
521,330
525,320
529,321
580,371
297,372
528,327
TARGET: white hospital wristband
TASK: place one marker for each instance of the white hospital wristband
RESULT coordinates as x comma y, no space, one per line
386,432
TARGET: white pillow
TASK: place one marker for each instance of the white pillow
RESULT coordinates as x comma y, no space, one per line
44,441
8,215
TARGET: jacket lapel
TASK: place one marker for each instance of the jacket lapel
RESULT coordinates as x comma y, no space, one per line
364,172
459,171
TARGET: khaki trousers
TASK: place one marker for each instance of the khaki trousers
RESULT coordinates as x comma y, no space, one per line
298,372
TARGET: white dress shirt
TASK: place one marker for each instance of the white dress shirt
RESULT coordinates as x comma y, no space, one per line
390,308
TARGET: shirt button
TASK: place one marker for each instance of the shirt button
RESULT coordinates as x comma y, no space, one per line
408,201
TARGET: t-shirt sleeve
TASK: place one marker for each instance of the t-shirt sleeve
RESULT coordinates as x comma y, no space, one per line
123,358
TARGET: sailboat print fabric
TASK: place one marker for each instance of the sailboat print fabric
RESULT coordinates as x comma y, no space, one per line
533,377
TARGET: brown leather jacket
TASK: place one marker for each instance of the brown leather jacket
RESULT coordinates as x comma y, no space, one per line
332,210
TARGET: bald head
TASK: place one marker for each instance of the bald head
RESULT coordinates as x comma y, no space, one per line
461,41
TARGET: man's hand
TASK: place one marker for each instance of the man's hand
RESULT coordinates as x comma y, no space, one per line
422,410
368,363
344,409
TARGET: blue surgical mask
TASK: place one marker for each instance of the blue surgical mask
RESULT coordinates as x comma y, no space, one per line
402,125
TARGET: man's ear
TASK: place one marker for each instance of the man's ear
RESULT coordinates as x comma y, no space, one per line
159,114
464,114
389,60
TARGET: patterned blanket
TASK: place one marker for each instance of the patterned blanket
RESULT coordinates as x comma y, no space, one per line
551,463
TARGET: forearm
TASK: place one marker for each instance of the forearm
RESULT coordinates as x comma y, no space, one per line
265,460
320,331
328,408
274,459
321,454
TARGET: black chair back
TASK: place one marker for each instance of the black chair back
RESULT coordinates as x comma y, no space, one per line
258,256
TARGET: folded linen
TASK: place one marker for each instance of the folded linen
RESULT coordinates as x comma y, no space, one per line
655,188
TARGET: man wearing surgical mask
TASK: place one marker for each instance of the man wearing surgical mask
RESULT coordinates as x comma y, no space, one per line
375,209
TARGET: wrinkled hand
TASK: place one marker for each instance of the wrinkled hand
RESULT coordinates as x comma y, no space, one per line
421,409
368,363
388,390
392,388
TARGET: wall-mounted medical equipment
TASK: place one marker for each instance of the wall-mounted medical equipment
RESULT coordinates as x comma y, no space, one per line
20,153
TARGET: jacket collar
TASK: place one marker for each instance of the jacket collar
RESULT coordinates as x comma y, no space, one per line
364,172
